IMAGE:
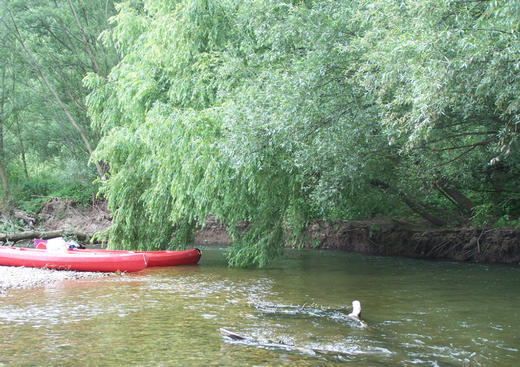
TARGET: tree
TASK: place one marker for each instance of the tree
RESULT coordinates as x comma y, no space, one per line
276,113
53,45
442,73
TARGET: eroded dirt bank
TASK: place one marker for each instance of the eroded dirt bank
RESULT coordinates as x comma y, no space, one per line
387,238
501,245
394,238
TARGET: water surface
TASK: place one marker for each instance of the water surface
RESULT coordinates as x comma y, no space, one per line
417,313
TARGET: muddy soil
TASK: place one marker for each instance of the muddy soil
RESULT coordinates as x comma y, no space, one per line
67,215
387,238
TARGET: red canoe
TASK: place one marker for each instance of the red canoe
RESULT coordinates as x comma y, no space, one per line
71,260
153,258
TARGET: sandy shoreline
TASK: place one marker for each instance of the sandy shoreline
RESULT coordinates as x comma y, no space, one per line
19,277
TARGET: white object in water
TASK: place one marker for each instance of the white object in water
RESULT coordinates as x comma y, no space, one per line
356,309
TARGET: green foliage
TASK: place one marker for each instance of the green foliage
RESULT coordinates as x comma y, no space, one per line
47,47
30,195
80,192
11,225
276,113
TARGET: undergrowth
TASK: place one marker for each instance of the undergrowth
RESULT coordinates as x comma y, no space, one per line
32,194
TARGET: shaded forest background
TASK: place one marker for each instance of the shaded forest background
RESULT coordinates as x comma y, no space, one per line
269,113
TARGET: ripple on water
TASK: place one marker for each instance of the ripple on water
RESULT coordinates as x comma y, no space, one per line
58,312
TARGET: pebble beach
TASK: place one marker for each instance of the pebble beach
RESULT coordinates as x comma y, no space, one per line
20,277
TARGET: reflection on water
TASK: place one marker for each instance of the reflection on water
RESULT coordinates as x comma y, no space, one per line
417,312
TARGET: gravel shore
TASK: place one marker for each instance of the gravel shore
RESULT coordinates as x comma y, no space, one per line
20,277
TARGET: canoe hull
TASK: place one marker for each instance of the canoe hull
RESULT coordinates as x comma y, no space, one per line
158,258
171,258
71,260
153,258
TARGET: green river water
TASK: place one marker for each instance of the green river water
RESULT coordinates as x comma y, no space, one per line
417,312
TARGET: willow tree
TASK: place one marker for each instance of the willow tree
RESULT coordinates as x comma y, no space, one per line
160,116
279,112
444,75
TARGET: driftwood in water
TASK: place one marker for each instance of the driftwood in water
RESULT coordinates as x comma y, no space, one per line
243,339
231,334
14,237
336,314
264,344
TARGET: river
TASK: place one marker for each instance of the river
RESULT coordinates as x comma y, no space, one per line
425,313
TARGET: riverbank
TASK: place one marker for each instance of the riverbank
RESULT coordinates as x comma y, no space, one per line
397,238
376,237
20,278
394,238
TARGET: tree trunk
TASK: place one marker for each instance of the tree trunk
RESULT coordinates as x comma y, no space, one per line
84,40
5,183
14,237
436,221
465,204
3,174
413,205
19,133
22,148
